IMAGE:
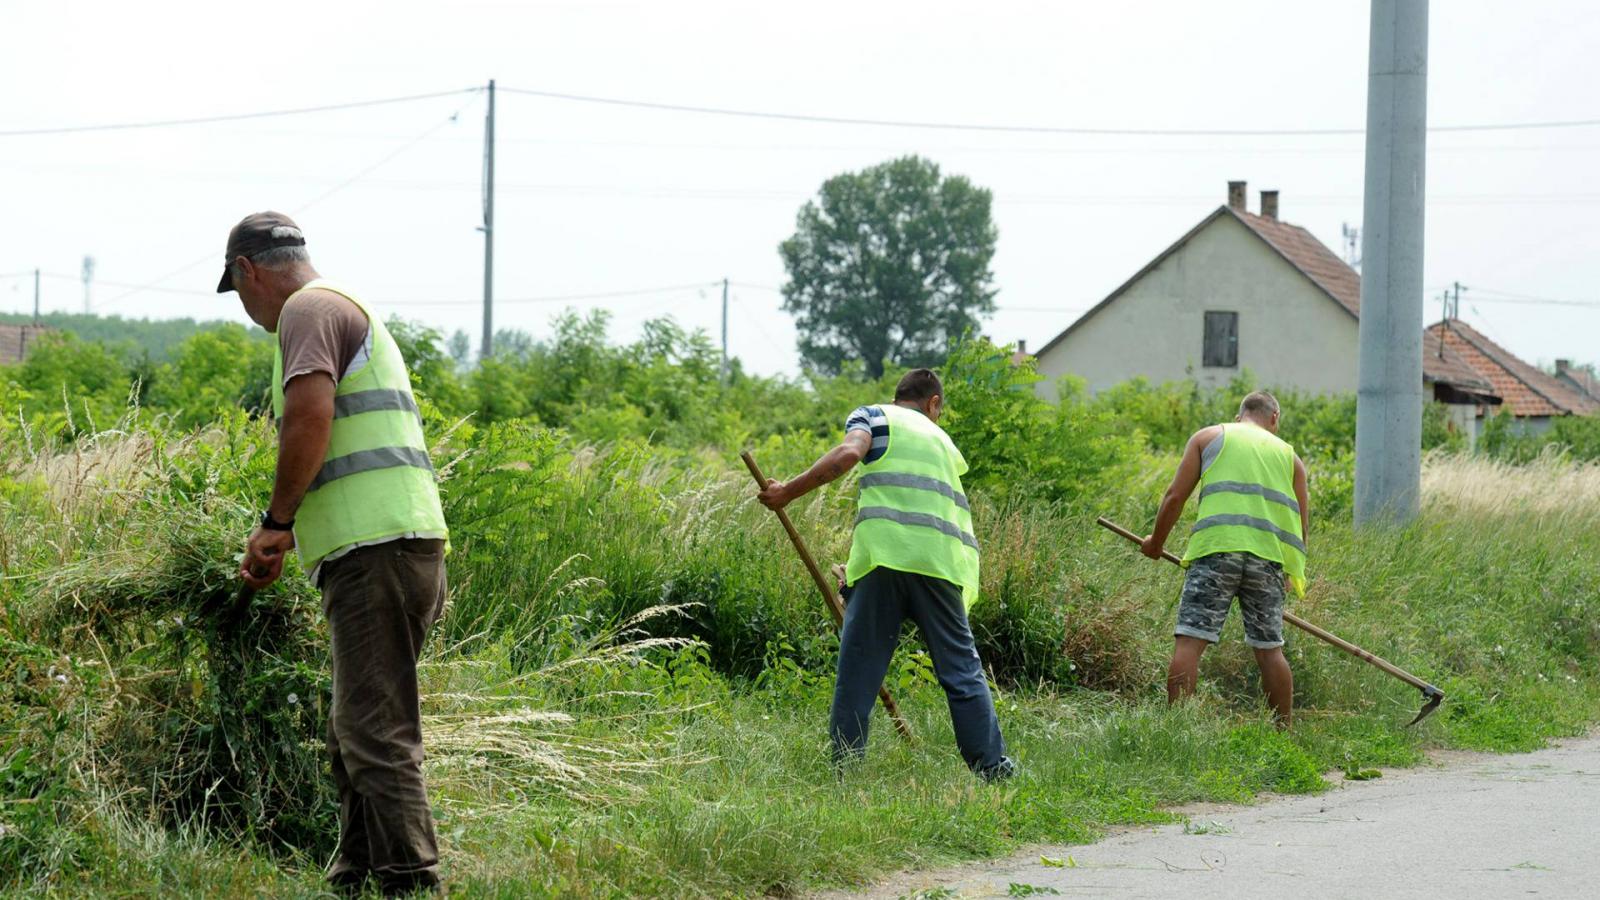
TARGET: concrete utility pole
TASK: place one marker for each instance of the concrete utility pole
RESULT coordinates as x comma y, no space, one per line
35,296
724,329
488,229
1389,402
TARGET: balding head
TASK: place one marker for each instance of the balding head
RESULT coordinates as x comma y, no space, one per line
1260,408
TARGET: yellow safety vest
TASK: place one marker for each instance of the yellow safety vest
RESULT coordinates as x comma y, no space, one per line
912,515
1247,502
376,481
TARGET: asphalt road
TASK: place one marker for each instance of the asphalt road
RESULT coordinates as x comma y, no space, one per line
1477,826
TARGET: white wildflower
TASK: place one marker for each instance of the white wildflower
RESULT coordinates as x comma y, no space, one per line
294,699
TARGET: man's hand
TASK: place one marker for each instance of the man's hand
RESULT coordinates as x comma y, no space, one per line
263,557
775,495
1151,547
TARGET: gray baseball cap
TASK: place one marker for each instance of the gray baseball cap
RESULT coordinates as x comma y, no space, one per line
255,233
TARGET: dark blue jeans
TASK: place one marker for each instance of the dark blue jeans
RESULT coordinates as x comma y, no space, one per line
879,603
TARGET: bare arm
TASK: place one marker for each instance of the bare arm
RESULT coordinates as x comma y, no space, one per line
1303,497
841,459
1183,484
302,444
302,440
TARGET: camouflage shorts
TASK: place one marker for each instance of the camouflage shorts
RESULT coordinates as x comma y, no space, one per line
1212,583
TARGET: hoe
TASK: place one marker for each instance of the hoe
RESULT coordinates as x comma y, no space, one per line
835,605
1431,696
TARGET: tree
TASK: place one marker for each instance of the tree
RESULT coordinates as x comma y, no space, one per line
460,348
889,265
212,371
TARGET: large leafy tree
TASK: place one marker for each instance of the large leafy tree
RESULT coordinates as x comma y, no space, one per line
888,265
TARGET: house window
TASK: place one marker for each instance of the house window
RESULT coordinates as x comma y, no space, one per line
1222,340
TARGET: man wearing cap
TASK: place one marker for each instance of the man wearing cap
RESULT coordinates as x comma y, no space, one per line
355,494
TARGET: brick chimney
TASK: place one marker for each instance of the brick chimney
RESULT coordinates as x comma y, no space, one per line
1562,366
1236,196
1269,204
1022,346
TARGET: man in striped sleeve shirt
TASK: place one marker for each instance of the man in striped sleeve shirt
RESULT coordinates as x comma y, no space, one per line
913,555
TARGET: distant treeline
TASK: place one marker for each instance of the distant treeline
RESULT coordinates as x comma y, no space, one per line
154,338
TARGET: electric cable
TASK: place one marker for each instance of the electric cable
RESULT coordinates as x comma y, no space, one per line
1018,129
230,117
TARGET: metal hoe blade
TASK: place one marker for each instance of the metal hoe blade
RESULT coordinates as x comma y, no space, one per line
1434,696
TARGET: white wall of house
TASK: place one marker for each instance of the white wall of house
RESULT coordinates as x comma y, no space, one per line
1526,426
1290,332
1463,418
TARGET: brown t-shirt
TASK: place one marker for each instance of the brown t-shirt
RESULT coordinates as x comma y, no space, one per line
321,331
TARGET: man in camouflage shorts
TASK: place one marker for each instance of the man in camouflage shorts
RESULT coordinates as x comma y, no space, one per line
1212,583
1248,541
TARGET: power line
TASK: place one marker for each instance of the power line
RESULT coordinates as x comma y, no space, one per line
1509,297
563,298
1021,129
380,163
231,117
303,207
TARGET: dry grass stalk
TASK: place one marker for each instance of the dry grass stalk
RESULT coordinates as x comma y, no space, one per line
1551,484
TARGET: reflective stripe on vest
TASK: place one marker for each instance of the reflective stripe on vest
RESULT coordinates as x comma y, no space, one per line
376,480
368,461
1240,487
375,400
920,482
1247,502
919,520
913,515
1221,519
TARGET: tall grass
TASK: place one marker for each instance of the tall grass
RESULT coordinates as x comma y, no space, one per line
628,694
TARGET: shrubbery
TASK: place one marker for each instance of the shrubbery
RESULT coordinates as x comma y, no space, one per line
589,485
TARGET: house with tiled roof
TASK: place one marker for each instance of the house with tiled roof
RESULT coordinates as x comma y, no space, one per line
1239,291
15,341
1579,378
1529,393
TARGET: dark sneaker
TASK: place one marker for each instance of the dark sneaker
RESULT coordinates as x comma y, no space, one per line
1000,771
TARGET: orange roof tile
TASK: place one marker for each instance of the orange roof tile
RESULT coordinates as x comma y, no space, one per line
1310,256
1526,390
14,341
1338,280
1582,377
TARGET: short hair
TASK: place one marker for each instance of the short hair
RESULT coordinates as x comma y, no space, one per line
274,258
918,385
1259,403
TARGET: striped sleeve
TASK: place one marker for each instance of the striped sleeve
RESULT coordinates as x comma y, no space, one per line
871,420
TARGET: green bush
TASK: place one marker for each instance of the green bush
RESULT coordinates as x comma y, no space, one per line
212,372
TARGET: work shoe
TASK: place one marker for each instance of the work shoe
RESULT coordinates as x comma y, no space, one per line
1000,771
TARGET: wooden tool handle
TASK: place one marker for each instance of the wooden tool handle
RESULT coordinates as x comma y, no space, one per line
829,596
1298,622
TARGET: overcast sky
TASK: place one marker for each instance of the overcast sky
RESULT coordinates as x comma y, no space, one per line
599,198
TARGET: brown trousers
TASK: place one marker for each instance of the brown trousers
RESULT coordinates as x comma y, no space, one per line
380,602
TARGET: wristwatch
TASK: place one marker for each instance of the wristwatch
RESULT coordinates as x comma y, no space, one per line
271,524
